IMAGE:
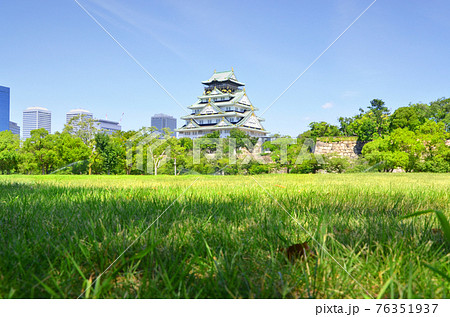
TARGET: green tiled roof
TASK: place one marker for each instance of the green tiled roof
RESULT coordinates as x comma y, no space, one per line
243,122
207,128
213,106
223,114
222,77
235,99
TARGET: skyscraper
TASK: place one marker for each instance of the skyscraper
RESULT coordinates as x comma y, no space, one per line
14,128
36,118
161,121
4,108
108,126
74,116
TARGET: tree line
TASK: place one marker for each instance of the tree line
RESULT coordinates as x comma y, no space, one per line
412,138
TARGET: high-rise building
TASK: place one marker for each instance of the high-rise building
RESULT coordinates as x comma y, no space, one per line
74,117
4,108
36,118
223,106
161,121
14,128
108,126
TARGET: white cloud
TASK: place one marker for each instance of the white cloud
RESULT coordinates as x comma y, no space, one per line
327,105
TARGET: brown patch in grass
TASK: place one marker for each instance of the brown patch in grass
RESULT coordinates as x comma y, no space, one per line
298,251
437,231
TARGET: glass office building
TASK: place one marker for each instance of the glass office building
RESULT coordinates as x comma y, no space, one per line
14,128
75,118
36,118
108,126
161,121
4,108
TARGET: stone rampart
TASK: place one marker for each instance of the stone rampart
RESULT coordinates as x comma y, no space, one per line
346,148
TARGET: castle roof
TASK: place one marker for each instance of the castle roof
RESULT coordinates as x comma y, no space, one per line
223,77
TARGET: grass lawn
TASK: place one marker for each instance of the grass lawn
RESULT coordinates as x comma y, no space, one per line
222,236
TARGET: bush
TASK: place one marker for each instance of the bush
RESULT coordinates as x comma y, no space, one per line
258,169
360,165
436,164
336,164
306,167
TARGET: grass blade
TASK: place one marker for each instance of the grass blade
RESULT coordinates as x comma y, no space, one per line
418,213
435,270
444,224
384,288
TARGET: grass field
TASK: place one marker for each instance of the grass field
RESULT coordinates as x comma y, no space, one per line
221,237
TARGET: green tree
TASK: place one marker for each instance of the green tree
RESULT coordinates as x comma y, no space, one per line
153,146
404,117
381,115
364,127
423,150
344,125
257,168
283,152
323,129
108,151
186,143
40,149
72,152
120,139
9,152
436,156
240,136
208,142
85,128
379,154
440,112
336,164
422,110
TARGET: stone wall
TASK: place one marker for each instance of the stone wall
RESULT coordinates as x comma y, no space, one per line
349,148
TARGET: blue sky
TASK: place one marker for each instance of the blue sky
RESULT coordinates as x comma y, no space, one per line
53,55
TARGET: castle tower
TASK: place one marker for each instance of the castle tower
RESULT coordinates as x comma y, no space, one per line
223,106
